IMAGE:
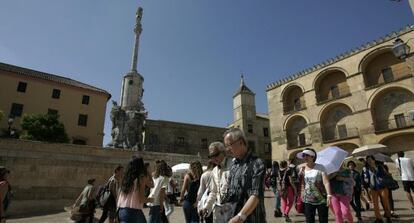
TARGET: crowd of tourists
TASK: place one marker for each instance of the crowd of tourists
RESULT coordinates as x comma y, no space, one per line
311,189
231,189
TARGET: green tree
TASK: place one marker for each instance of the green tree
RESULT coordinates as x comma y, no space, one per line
42,127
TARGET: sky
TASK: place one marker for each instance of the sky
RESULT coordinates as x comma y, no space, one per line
192,52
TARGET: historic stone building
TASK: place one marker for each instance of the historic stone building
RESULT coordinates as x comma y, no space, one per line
364,96
81,107
254,125
177,137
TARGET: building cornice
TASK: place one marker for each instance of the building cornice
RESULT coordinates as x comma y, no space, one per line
340,57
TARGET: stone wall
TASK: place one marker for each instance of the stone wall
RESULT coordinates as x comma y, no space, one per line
46,177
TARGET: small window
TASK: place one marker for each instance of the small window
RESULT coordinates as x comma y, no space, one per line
204,143
296,104
52,112
130,82
302,139
180,140
342,131
335,91
83,120
153,139
387,75
400,120
265,132
79,142
56,93
16,110
250,128
21,87
251,145
85,99
267,147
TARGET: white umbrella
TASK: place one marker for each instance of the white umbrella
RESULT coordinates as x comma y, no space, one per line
369,150
180,168
331,158
382,158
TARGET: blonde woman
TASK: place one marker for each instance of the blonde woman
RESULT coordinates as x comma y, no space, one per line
188,195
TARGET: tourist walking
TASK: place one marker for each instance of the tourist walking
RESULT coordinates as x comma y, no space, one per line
356,195
85,203
113,186
316,193
342,185
5,190
203,193
287,189
222,211
274,177
170,199
188,196
132,196
245,185
372,176
405,166
160,177
390,197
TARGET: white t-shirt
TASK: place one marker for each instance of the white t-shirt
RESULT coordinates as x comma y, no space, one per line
407,171
159,182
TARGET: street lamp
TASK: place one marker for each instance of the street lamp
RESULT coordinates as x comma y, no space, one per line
400,49
10,123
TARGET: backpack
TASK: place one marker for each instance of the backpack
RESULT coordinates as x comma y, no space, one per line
281,184
273,180
104,195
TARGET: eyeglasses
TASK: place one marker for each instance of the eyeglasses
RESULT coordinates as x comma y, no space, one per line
231,144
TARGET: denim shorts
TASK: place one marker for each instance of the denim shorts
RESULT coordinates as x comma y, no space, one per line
130,215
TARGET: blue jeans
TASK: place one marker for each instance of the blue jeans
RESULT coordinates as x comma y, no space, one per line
155,214
190,212
130,215
277,198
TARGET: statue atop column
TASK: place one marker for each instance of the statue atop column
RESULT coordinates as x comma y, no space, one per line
128,118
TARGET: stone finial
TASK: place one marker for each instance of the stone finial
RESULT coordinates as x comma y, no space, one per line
241,80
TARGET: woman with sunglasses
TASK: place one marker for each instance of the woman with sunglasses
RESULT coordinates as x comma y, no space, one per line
316,192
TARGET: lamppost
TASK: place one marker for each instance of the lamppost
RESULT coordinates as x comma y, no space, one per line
9,130
400,49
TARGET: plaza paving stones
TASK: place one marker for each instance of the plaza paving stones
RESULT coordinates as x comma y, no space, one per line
402,207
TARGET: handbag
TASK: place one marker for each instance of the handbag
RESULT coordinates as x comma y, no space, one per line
388,182
76,214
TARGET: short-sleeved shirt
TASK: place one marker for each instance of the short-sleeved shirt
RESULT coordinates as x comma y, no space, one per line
313,193
407,165
246,178
159,183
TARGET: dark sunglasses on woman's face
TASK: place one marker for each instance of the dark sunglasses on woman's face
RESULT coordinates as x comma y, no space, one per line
305,155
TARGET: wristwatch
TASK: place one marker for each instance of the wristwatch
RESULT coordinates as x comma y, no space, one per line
243,217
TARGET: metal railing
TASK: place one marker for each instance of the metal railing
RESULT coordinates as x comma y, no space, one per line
293,107
395,77
338,132
297,143
332,94
394,124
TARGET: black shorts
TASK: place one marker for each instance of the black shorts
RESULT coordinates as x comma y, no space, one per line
408,186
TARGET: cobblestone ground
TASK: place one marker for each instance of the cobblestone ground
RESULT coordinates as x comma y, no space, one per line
402,207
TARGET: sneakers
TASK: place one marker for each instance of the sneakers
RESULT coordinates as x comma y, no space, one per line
278,214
